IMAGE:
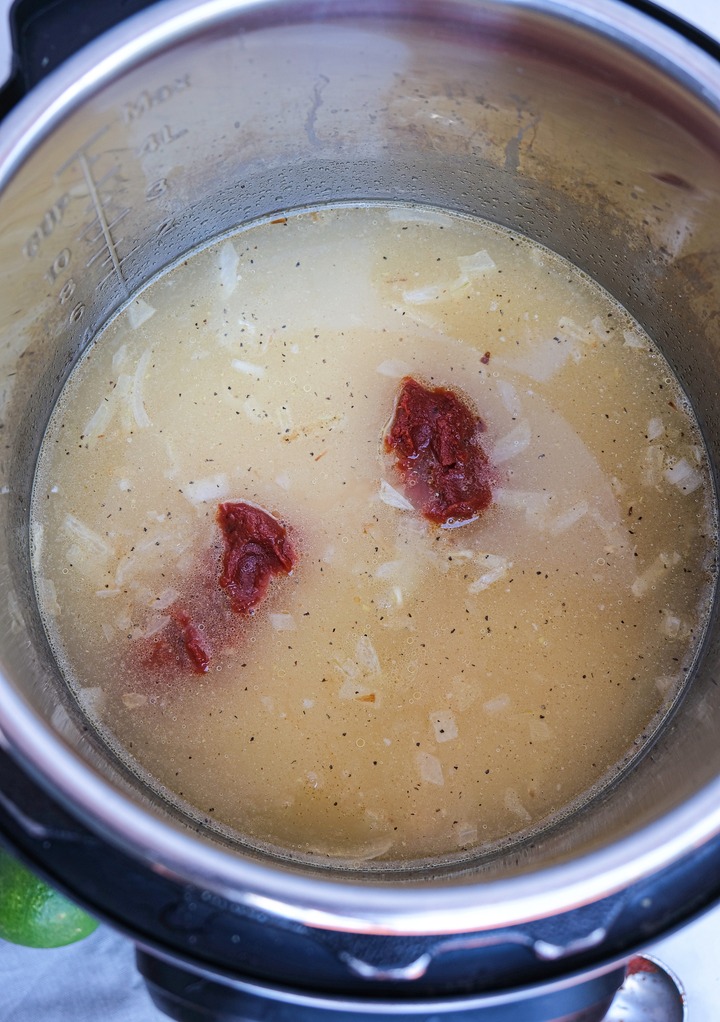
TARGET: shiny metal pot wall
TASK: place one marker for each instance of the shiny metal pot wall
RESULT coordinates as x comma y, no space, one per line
585,124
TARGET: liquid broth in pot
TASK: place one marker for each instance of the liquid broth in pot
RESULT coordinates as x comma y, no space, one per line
406,690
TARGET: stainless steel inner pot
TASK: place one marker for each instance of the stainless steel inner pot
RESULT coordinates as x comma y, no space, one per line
585,124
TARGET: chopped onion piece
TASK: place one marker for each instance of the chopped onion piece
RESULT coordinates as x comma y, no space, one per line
368,851
366,656
671,624
496,568
654,573
497,705
535,503
634,340
91,698
522,500
653,463
600,328
655,428
389,495
388,569
512,444
156,624
36,540
394,368
228,263
133,700
283,481
199,491
509,397
253,411
545,358
667,682
430,768
444,725
140,414
48,596
99,420
249,328
353,689
139,312
128,564
573,331
284,419
540,731
349,668
119,358
684,476
461,694
249,368
513,803
165,599
570,517
283,622
103,594
87,537
423,295
470,266
467,833
108,631
476,265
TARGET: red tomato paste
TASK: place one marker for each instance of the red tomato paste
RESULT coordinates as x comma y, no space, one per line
180,645
256,549
204,621
196,647
435,437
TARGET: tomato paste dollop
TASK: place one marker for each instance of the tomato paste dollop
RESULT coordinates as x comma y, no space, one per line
435,437
195,643
179,645
256,549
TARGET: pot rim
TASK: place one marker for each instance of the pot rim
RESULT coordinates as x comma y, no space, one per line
379,907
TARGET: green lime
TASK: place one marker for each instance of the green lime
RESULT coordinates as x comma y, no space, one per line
33,914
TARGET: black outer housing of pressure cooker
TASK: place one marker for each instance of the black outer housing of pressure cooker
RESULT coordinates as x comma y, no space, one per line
176,925
198,951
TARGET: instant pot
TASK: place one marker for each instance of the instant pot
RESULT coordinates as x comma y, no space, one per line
593,127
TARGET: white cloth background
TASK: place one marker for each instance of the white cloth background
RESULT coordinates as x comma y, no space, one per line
94,980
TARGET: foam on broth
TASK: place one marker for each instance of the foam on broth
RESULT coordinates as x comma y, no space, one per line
409,692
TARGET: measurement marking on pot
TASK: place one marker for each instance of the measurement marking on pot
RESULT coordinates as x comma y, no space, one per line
160,139
147,100
104,225
92,239
82,150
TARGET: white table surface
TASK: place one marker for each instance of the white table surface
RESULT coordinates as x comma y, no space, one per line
96,981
